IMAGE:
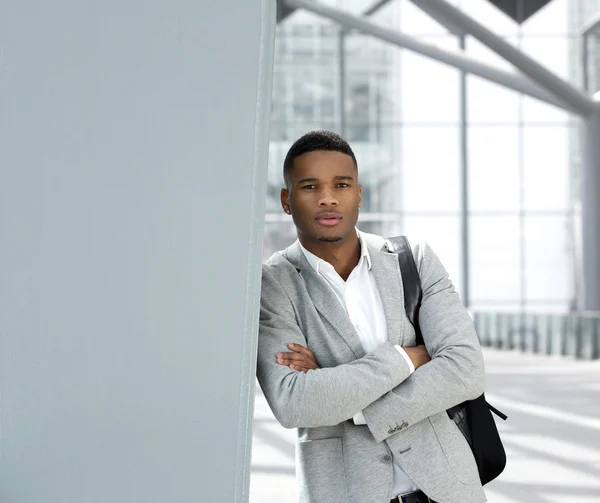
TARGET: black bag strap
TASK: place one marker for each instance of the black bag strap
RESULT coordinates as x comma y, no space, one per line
411,282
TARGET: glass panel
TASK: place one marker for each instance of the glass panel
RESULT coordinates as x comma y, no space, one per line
369,88
431,169
536,111
488,102
494,259
549,261
305,80
413,21
493,156
546,167
430,90
552,52
389,15
378,166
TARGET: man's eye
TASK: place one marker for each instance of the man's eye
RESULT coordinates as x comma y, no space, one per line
343,185
308,187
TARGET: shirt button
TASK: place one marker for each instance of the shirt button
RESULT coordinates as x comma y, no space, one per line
387,459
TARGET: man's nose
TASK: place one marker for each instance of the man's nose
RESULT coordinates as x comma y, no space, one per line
327,198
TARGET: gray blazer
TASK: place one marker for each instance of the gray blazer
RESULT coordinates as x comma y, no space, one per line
338,461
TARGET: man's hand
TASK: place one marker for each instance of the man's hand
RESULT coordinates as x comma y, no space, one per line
418,355
301,358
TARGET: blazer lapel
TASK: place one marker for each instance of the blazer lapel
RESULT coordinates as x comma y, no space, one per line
325,300
386,271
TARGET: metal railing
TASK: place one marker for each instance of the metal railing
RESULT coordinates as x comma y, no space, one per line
575,335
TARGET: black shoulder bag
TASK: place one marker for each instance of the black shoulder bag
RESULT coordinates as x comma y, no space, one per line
472,417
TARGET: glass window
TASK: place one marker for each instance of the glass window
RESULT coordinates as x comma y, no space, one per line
362,107
378,174
429,89
368,85
549,259
536,111
494,254
389,15
552,52
493,163
546,167
430,169
490,103
413,21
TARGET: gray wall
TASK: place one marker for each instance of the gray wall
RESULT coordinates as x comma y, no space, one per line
132,173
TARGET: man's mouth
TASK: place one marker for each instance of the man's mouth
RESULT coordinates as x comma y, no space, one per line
329,219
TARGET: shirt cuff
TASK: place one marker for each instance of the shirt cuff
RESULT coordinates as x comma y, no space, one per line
406,358
359,418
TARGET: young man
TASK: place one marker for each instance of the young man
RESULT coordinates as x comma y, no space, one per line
336,355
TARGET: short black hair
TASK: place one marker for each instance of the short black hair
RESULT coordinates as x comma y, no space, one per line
313,142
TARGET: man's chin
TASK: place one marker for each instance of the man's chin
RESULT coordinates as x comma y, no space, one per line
331,239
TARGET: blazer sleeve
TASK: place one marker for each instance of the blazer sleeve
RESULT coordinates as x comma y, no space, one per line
456,370
323,397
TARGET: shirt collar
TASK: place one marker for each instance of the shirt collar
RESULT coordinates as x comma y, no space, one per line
316,262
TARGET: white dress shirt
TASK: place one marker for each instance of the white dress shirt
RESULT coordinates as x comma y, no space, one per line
360,298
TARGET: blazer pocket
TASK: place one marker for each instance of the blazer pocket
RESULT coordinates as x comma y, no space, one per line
456,449
321,471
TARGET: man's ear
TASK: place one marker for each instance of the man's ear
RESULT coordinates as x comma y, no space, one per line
285,201
359,196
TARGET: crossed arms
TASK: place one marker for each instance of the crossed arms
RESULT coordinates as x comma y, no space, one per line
380,384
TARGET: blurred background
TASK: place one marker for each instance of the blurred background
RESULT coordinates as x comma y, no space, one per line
490,178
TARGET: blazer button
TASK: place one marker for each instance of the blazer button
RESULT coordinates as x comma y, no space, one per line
403,425
387,459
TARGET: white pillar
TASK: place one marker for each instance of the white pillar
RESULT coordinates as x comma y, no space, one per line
590,202
133,156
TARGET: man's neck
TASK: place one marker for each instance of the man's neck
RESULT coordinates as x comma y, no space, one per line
343,255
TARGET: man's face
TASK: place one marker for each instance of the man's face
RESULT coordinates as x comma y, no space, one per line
323,196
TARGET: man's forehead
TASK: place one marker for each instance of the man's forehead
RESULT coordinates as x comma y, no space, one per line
325,156
338,178
323,164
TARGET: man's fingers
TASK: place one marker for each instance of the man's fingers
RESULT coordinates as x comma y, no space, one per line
300,349
300,362
291,357
301,358
296,361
